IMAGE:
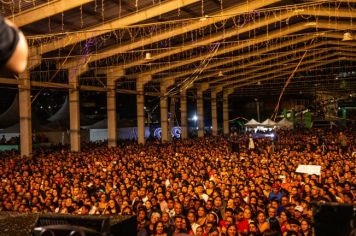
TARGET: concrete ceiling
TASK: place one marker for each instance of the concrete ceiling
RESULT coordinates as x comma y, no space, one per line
244,47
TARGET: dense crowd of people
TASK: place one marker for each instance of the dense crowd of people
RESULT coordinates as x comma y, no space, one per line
197,187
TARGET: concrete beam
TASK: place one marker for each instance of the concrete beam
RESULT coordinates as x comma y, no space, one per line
272,57
323,11
217,17
267,73
313,65
45,10
214,38
303,69
259,39
247,55
134,18
233,32
114,73
253,63
265,67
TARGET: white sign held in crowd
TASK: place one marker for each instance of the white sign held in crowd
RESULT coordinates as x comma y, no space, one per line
309,169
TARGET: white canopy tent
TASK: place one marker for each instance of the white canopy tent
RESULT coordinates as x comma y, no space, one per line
252,123
285,124
269,123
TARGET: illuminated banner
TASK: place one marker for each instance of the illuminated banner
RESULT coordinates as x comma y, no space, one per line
176,132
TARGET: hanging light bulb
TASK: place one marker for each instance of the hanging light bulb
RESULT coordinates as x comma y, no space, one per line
148,56
347,37
203,18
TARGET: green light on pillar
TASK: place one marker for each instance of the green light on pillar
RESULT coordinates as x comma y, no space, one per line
344,113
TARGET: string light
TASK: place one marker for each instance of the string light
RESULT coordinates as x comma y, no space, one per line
81,17
49,24
175,23
102,10
62,18
120,8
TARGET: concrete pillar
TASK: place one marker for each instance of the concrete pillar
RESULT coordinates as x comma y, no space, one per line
25,114
258,110
183,113
164,113
165,127
226,113
140,84
74,112
200,110
111,109
214,113
172,119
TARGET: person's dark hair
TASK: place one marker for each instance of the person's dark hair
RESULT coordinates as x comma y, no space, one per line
292,233
214,229
199,227
259,212
178,216
271,232
286,212
87,207
238,211
155,226
139,209
229,210
274,224
349,195
216,217
192,211
308,222
275,200
231,225
203,207
294,221
189,226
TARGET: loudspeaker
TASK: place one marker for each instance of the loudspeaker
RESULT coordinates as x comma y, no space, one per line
17,224
58,225
65,230
334,219
123,225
